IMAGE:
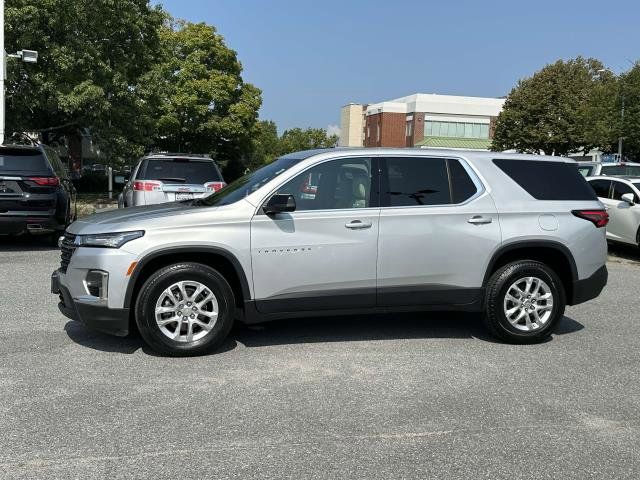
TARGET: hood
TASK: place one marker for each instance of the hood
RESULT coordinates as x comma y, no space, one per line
133,218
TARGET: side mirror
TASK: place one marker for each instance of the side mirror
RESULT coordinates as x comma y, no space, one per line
629,198
280,202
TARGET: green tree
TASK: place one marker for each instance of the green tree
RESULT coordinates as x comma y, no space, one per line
93,54
296,139
630,92
563,108
265,144
203,104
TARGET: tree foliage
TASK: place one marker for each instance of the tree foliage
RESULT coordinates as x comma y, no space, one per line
563,108
203,104
297,139
630,94
93,54
137,80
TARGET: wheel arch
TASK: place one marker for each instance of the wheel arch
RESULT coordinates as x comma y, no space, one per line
553,254
220,259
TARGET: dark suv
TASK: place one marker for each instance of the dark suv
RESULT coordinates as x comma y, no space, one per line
36,193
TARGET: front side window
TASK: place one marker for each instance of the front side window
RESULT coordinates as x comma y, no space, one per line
601,187
620,189
336,184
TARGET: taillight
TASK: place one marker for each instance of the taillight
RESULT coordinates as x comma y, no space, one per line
599,218
146,185
215,186
46,181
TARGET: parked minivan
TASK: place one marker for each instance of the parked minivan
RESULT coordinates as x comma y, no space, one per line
513,237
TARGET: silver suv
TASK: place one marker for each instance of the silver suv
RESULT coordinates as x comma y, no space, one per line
516,237
170,177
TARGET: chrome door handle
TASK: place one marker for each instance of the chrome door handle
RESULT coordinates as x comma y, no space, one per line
358,225
479,220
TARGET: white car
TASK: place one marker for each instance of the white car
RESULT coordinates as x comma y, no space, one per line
621,197
590,169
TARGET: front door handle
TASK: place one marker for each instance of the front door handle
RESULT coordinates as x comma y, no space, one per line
479,220
358,225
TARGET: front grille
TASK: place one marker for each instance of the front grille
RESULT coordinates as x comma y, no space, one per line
67,246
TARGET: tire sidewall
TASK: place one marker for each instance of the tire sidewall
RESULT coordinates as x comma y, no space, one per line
516,272
161,280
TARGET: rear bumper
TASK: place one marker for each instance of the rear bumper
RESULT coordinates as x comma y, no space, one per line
14,225
114,321
589,288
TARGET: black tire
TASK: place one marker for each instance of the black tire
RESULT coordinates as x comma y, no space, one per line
158,282
497,287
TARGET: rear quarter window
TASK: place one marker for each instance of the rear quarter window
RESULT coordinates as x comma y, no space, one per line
547,180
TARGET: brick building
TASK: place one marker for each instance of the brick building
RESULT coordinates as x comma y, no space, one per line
428,120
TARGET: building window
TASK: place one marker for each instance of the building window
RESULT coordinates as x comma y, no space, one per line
456,129
409,129
368,131
377,132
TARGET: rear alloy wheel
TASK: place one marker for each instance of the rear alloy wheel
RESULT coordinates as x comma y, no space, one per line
524,301
185,309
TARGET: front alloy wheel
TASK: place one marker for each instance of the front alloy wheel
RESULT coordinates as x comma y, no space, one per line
185,309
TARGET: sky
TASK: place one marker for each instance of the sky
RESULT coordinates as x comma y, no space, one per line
311,57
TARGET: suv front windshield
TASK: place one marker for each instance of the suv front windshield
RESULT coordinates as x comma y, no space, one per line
248,183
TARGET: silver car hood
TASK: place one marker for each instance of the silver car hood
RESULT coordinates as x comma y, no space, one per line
139,218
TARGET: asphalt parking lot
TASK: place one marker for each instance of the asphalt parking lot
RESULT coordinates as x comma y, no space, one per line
404,396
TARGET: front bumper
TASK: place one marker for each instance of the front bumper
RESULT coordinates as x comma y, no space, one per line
589,288
114,321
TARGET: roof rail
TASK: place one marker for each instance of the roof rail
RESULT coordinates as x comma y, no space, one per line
178,154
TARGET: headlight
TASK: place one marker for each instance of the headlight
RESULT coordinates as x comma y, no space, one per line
107,240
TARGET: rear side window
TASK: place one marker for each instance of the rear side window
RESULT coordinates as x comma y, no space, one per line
411,181
18,160
601,187
547,180
179,170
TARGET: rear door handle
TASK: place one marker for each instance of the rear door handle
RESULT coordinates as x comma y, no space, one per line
479,220
358,225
